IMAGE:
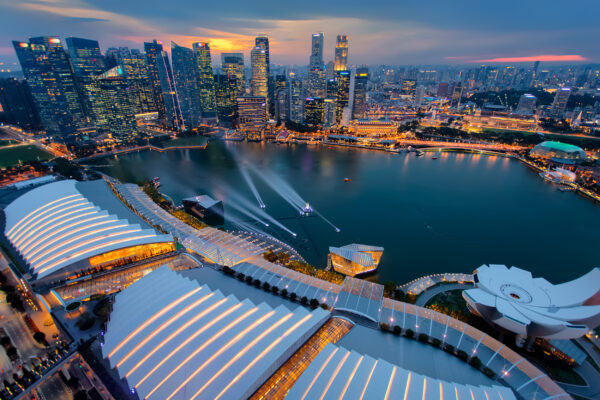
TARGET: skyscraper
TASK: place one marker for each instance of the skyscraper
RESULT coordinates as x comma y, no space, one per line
329,111
419,95
316,53
87,62
296,98
153,52
233,64
457,93
226,91
313,111
17,106
409,86
559,105
343,93
527,103
140,88
252,113
173,116
206,80
341,53
258,58
112,104
48,72
186,78
361,80
263,42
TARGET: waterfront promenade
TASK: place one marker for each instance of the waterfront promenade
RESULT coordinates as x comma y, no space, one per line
360,297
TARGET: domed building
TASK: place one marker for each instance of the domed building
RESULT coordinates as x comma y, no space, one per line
559,152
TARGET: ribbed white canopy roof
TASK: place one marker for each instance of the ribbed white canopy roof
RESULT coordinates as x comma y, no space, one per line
173,339
55,225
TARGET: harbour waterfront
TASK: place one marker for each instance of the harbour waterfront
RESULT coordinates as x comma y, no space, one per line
431,216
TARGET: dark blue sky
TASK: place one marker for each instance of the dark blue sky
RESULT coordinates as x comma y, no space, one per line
394,32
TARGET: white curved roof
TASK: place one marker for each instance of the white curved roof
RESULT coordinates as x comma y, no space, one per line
55,225
529,306
173,339
357,253
337,373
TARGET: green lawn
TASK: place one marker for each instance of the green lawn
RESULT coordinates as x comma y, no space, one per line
7,142
185,141
11,156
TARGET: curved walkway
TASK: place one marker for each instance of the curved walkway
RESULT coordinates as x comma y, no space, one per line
430,293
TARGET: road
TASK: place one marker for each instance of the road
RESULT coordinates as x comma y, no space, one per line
30,140
54,389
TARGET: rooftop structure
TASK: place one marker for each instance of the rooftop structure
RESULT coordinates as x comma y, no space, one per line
558,152
67,226
355,259
533,307
339,373
205,207
173,339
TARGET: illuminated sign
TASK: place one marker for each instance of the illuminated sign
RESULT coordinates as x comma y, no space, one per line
54,40
23,44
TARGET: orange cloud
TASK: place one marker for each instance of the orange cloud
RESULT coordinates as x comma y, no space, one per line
544,58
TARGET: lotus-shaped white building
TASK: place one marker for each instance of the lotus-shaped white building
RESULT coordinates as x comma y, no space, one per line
533,307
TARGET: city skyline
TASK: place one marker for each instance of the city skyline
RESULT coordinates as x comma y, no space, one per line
403,33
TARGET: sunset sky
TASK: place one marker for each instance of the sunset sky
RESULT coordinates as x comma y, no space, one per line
394,32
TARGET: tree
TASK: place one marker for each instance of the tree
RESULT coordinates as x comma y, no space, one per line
249,279
241,276
423,337
293,296
266,286
389,287
409,333
475,361
397,330
304,300
324,306
257,282
314,303
462,355
449,348
384,327
284,293
436,342
274,289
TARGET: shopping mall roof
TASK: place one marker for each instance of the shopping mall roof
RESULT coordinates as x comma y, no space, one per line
338,373
172,339
58,224
514,300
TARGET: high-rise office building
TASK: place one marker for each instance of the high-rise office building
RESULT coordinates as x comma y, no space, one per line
343,93
330,71
419,95
233,64
252,113
313,110
115,55
296,98
48,72
186,78
329,111
263,42
527,104
226,93
140,88
87,62
442,91
17,106
260,76
112,104
361,80
341,53
206,82
559,105
331,85
173,116
316,53
153,52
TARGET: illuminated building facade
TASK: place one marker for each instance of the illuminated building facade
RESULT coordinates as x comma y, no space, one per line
206,82
186,79
49,75
173,116
457,94
61,228
233,64
226,92
296,98
260,77
313,111
252,113
341,53
316,70
140,88
409,86
329,109
559,104
153,52
355,259
343,93
87,62
112,105
373,127
361,80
